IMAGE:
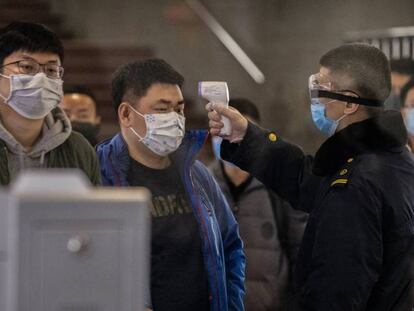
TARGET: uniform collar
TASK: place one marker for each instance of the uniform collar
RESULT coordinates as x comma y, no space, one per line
384,133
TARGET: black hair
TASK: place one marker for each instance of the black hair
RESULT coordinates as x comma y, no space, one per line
404,91
361,68
403,66
29,37
133,80
246,107
79,89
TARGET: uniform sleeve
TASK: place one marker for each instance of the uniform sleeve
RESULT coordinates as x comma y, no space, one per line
347,253
279,165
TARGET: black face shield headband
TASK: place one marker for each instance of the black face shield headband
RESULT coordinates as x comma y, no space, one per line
345,98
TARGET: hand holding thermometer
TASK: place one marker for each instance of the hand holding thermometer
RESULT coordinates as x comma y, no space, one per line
217,93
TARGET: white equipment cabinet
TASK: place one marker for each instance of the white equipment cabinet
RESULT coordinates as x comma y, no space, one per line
65,246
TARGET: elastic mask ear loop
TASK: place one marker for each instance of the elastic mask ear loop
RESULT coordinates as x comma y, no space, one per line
136,111
338,120
10,88
131,128
4,76
341,118
135,132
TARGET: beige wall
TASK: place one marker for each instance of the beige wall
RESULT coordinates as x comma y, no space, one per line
284,37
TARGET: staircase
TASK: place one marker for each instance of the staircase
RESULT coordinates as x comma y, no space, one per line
85,63
31,11
93,66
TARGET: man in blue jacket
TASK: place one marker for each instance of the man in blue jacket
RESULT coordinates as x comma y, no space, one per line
197,259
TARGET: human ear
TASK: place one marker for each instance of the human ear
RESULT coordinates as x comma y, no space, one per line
350,108
124,114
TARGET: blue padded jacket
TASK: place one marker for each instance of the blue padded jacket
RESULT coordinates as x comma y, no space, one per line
222,247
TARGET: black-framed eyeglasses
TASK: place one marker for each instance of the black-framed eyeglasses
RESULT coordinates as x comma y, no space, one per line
31,67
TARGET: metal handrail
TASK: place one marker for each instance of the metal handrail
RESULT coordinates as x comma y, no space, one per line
227,40
395,32
396,42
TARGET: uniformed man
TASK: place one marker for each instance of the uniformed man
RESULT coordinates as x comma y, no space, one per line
357,251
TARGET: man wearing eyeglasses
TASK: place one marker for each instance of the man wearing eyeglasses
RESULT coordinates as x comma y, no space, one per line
357,251
34,131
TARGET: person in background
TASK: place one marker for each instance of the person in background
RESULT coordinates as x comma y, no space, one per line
271,230
402,70
197,258
34,131
407,110
80,106
195,119
357,251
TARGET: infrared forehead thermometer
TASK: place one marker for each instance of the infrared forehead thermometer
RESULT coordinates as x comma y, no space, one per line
218,93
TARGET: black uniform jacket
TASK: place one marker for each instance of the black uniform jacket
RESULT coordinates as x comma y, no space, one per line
357,252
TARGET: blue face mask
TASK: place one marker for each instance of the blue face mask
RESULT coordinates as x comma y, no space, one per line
322,122
216,142
409,121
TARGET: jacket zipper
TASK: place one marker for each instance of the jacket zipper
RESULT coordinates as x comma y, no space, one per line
118,179
205,233
4,150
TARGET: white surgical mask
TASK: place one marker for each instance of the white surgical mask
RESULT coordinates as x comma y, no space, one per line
165,131
33,96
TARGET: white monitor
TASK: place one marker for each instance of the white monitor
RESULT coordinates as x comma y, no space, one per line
4,205
75,248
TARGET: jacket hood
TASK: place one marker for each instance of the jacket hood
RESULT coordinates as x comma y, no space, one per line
115,161
56,129
386,132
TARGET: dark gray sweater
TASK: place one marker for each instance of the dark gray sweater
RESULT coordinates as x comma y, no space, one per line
270,251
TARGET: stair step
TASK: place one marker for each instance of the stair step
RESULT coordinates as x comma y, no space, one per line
25,4
86,63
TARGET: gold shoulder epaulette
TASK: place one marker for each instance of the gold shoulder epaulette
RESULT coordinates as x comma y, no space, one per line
342,177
